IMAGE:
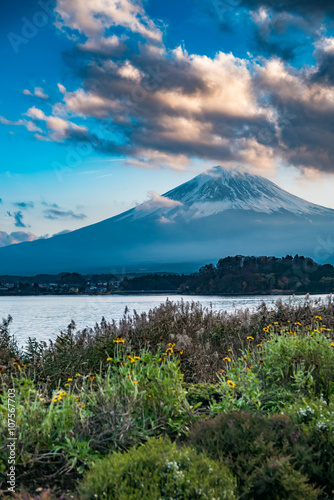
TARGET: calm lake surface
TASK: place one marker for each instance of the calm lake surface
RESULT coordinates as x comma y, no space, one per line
43,317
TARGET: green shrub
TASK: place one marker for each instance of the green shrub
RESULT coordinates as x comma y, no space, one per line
149,386
245,441
316,421
277,480
301,359
289,363
157,470
135,398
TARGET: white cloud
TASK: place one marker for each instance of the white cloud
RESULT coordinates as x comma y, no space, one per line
61,88
32,127
157,201
325,45
88,104
153,159
128,71
103,45
38,92
93,17
60,128
164,220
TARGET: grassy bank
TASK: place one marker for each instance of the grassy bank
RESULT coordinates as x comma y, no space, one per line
182,402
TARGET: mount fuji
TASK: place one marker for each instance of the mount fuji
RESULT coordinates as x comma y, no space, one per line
218,213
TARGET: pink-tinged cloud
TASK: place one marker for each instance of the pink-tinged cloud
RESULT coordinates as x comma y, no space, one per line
157,201
15,237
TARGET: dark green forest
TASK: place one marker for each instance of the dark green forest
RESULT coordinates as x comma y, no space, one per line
243,275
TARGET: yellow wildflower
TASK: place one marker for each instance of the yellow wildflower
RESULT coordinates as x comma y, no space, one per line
230,383
70,380
250,338
226,359
109,359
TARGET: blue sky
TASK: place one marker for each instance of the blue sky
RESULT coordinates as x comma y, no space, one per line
99,105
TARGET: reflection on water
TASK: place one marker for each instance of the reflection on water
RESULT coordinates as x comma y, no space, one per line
43,317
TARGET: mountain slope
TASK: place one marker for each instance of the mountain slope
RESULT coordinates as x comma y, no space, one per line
218,213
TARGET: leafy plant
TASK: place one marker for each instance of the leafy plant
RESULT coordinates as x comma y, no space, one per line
158,469
247,441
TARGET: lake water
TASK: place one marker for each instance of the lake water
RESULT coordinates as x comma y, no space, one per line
43,317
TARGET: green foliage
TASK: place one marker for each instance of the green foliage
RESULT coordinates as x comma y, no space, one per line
277,480
161,470
136,397
301,359
8,345
202,394
316,421
106,390
145,389
285,365
256,449
44,428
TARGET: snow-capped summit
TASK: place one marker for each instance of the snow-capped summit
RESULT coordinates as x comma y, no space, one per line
219,189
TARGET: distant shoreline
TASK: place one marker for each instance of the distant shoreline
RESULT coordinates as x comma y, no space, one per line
232,276
166,292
